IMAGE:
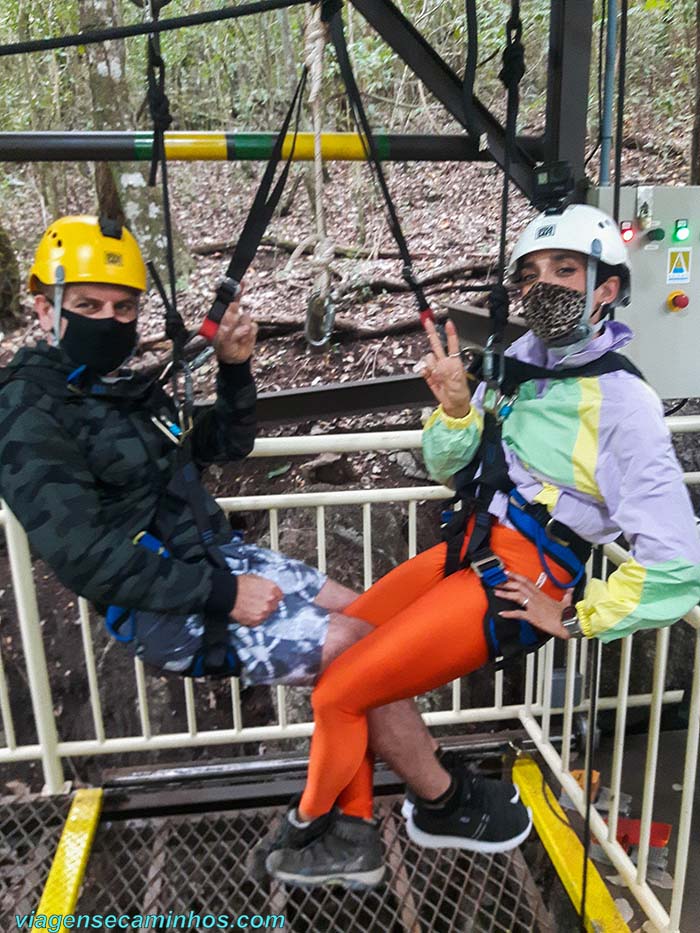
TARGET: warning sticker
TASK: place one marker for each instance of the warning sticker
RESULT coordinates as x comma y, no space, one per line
678,269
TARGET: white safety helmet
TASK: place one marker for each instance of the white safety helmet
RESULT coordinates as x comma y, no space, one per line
581,229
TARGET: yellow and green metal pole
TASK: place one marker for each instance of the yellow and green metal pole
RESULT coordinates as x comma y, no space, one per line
230,147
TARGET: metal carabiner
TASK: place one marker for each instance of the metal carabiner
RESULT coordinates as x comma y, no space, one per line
493,353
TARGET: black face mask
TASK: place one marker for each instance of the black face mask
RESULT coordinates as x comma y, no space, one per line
102,344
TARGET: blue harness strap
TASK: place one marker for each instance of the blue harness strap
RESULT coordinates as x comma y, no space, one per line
547,546
115,618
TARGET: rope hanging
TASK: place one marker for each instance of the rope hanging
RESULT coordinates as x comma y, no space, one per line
320,313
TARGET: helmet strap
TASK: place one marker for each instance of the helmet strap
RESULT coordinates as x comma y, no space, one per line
584,331
59,291
591,275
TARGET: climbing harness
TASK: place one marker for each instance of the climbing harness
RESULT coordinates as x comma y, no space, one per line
477,483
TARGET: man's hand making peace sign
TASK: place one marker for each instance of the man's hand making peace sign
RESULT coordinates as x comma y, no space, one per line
444,372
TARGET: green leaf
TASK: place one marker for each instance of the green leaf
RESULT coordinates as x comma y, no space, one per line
279,471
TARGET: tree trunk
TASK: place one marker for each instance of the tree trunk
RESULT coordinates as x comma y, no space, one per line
122,188
695,137
10,307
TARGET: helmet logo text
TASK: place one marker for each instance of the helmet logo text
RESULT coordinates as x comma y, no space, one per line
549,230
114,259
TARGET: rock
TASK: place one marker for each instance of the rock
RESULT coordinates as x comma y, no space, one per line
328,468
411,463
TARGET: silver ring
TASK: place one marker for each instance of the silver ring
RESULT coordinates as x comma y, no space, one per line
451,355
525,602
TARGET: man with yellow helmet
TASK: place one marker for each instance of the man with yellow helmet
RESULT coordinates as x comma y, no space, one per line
91,466
87,276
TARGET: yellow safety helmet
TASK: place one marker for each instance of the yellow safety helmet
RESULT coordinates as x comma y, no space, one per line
87,249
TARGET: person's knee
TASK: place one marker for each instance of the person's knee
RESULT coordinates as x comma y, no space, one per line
334,597
322,700
343,632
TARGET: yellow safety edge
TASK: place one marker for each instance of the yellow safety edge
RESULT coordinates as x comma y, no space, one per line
72,853
566,852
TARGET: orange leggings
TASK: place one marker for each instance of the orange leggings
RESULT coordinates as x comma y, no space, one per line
428,631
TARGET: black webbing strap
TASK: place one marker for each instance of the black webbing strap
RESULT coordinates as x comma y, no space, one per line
332,13
159,107
218,656
264,205
516,371
511,74
470,67
593,687
185,482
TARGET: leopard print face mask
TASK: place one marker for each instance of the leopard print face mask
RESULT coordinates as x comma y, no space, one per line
551,311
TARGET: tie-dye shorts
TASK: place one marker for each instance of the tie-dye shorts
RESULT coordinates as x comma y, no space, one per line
284,649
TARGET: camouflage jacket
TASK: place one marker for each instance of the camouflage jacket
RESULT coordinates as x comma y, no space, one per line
86,470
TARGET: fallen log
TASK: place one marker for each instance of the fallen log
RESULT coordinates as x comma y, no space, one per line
209,248
468,269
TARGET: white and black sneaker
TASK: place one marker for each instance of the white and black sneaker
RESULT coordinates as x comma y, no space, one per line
462,822
348,852
486,792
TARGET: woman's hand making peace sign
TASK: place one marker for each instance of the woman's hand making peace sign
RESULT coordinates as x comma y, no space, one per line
444,372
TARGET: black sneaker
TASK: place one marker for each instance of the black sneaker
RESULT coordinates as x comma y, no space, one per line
349,852
467,825
285,834
485,792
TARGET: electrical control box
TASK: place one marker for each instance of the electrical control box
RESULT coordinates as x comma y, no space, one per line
661,226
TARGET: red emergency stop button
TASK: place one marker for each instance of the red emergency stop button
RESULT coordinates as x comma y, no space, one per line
676,301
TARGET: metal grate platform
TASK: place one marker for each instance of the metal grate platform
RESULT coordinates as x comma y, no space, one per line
198,863
29,834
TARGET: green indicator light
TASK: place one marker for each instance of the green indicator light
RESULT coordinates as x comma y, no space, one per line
682,231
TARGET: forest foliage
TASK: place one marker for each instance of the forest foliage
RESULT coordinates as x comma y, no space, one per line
238,75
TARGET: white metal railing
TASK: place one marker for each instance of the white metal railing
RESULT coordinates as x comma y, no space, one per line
534,710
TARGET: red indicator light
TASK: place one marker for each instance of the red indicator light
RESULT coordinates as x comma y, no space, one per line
627,231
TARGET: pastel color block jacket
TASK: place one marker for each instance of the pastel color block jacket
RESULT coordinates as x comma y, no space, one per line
596,451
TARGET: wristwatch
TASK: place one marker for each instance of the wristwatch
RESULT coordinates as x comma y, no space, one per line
571,622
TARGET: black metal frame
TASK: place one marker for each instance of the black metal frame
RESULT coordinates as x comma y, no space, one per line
564,137
570,35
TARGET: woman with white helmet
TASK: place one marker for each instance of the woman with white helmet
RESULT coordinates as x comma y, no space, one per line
573,452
